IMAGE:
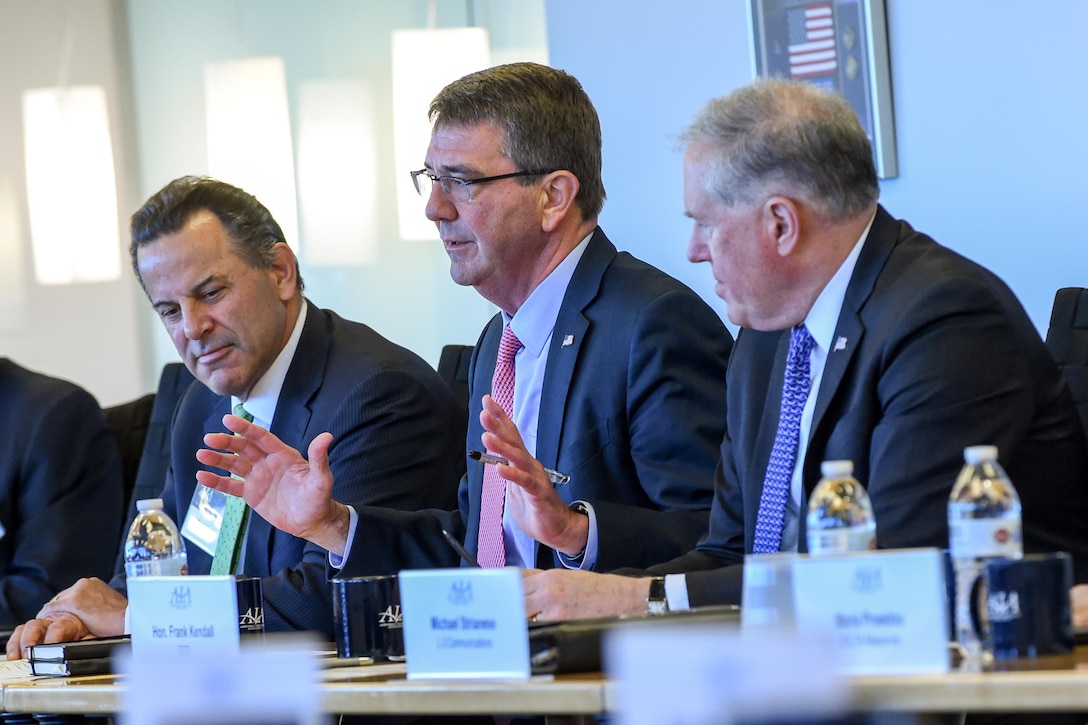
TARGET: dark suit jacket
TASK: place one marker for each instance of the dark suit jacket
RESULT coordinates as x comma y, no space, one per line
398,442
60,490
940,355
632,408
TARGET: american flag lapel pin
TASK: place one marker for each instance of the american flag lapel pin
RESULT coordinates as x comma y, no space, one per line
840,344
568,340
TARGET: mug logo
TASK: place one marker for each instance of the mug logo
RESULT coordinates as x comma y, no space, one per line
391,617
181,597
1003,606
254,616
461,592
1002,535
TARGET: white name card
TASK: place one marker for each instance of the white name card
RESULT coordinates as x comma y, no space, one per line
886,611
464,624
675,672
183,615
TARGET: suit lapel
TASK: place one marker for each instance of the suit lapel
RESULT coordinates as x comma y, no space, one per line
293,412
850,329
568,336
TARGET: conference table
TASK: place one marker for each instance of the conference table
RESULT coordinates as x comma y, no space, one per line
1048,684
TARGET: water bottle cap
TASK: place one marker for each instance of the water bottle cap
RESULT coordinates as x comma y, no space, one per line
148,504
833,469
977,454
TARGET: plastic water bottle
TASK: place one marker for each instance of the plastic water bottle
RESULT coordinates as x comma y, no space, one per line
983,523
840,515
154,547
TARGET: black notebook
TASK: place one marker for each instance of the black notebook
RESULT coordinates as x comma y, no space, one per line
80,649
575,645
72,668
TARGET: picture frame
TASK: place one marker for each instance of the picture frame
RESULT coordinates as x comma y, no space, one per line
841,45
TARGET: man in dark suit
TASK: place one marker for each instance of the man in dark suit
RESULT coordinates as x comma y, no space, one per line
219,273
918,354
619,378
60,489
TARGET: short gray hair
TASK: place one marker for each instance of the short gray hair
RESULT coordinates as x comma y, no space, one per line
784,137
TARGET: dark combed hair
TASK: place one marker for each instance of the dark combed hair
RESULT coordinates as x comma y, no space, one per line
775,136
252,230
547,119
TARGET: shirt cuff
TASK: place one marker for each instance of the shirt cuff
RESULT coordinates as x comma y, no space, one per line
676,592
587,560
335,560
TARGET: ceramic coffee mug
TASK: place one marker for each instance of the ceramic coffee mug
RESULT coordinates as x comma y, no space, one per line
367,618
250,605
1022,606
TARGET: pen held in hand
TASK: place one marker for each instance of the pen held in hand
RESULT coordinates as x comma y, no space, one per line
461,550
554,476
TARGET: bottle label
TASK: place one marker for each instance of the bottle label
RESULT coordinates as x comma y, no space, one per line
985,537
841,541
173,566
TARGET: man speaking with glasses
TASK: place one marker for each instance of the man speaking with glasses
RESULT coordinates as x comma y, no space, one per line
598,365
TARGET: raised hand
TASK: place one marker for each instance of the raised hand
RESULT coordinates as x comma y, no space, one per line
291,493
532,500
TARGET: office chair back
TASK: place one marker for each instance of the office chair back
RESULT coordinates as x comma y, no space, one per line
1067,339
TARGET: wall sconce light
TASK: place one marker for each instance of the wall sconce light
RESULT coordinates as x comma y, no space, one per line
71,188
337,179
249,134
12,284
425,61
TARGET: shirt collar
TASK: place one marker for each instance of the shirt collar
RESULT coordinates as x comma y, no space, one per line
261,403
823,317
535,319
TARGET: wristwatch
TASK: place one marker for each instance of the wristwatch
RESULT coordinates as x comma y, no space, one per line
657,603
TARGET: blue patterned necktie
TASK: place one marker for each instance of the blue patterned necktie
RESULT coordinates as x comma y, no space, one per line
235,514
776,484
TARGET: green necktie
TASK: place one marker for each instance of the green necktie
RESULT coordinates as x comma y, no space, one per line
235,514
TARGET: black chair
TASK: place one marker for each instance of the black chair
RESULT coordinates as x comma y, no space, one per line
453,368
1067,339
154,458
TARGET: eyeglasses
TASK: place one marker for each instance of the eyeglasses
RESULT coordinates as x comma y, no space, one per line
457,189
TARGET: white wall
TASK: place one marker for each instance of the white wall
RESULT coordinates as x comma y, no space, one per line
408,295
989,101
87,333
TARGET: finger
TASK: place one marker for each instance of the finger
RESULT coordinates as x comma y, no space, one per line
255,438
230,486
64,629
225,461
318,453
33,633
14,648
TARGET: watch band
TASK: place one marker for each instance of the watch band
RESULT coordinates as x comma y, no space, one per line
657,602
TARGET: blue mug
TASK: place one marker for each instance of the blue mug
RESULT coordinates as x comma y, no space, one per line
1022,607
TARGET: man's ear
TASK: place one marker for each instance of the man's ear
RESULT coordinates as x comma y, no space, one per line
782,222
558,193
284,271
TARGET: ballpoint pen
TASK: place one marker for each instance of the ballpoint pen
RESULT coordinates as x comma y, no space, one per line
554,476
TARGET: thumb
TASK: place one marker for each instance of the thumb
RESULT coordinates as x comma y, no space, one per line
318,453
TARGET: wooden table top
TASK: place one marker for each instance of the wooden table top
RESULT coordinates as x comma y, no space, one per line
1056,684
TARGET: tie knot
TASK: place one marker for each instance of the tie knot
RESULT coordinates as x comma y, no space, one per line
241,412
508,345
801,342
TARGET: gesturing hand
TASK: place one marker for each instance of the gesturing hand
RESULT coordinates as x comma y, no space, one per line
291,493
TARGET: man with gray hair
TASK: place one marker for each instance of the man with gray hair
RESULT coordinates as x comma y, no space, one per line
861,339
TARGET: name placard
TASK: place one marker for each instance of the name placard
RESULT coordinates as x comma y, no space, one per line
464,624
183,615
886,611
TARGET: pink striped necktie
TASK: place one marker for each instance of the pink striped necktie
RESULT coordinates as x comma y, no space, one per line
491,545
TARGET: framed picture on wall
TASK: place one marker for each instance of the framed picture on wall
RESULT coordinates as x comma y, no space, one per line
841,45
